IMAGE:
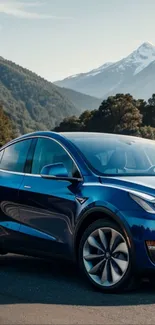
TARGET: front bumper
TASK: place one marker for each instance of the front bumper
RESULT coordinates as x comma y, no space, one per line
151,249
140,227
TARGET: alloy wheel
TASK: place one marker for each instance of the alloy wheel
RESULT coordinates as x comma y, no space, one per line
106,256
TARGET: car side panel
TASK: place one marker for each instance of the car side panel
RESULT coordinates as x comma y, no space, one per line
47,211
9,207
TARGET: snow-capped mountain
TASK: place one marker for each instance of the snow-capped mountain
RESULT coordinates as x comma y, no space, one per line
137,60
142,57
93,72
111,78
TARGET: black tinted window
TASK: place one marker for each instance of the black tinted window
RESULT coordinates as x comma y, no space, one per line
14,156
50,152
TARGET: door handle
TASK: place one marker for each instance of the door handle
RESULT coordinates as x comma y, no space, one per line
27,186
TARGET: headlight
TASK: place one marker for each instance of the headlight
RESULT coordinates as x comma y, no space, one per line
147,202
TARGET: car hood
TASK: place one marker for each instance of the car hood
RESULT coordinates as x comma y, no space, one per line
144,184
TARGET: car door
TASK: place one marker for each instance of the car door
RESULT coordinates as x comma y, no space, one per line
48,206
12,163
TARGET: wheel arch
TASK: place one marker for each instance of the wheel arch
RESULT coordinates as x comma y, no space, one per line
97,213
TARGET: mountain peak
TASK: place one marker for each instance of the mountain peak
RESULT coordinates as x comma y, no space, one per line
145,49
112,77
141,57
147,45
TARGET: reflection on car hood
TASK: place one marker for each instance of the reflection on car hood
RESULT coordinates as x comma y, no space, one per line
140,183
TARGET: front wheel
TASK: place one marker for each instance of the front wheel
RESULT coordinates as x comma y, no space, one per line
105,256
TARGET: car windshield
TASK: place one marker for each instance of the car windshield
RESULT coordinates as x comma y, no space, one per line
116,155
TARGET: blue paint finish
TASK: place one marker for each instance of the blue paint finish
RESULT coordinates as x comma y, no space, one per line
14,226
34,232
36,208
11,225
49,206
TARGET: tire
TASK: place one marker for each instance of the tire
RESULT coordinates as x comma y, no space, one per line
111,268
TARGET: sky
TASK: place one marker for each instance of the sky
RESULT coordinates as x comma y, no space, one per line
59,38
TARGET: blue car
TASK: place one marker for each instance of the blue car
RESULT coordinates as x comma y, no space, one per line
86,197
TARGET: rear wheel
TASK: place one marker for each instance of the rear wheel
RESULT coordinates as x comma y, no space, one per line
105,256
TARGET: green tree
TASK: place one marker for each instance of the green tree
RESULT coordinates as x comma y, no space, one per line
70,124
148,111
117,114
147,132
143,108
85,117
7,129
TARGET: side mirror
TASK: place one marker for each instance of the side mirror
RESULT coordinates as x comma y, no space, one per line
55,171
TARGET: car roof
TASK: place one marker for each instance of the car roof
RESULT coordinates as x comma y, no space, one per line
90,135
71,135
79,135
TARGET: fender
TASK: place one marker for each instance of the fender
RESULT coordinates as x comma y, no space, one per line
117,217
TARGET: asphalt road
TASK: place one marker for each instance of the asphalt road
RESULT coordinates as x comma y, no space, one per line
34,291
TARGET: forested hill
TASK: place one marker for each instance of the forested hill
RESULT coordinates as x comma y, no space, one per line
34,103
81,101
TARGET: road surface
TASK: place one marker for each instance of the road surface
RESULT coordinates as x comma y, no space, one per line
34,291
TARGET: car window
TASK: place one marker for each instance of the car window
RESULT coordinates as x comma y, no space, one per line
14,156
105,156
1,155
150,155
116,155
50,152
130,160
